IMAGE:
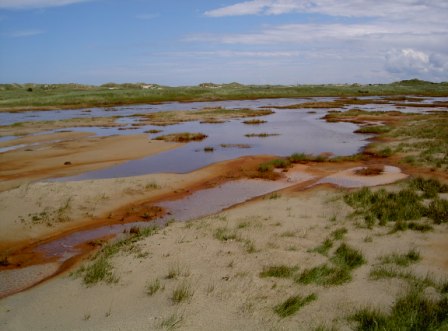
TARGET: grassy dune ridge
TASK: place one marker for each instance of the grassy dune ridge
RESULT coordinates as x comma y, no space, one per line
51,96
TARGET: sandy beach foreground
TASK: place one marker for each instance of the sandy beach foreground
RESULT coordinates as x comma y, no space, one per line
218,261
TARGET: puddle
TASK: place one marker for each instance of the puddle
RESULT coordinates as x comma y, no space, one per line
349,179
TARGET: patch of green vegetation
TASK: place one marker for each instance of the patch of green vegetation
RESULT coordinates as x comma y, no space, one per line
324,275
225,234
153,287
403,260
181,293
100,269
339,233
304,158
424,140
293,304
273,164
172,322
347,257
412,311
261,135
56,96
374,129
324,247
182,137
278,271
386,206
438,210
402,206
430,187
254,122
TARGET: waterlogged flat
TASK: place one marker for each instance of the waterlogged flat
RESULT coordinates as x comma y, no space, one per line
298,131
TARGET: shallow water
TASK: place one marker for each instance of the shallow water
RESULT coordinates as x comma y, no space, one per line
298,131
123,111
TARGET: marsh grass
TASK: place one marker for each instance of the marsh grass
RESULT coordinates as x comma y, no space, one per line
412,311
254,122
278,271
374,129
293,304
182,137
261,135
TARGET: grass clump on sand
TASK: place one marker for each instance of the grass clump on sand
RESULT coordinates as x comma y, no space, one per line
182,137
412,311
403,260
153,287
324,247
101,269
278,271
324,275
181,293
347,257
402,206
344,261
429,187
293,304
225,234
274,164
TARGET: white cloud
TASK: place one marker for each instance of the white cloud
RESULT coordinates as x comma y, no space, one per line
409,62
348,8
23,33
314,33
32,4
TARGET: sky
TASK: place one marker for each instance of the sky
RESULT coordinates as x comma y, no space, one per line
187,42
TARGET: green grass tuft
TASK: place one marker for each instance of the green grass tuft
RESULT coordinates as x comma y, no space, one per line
403,260
279,271
293,304
412,311
324,275
181,293
348,257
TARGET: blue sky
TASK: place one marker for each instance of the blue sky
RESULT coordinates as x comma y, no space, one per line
186,42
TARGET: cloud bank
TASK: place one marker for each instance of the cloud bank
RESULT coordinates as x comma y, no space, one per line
33,4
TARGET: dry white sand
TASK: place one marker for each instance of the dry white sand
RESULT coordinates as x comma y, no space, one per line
227,290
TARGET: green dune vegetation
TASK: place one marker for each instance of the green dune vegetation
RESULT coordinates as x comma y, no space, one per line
54,96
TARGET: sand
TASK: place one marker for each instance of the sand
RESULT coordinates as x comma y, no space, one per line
66,154
227,290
